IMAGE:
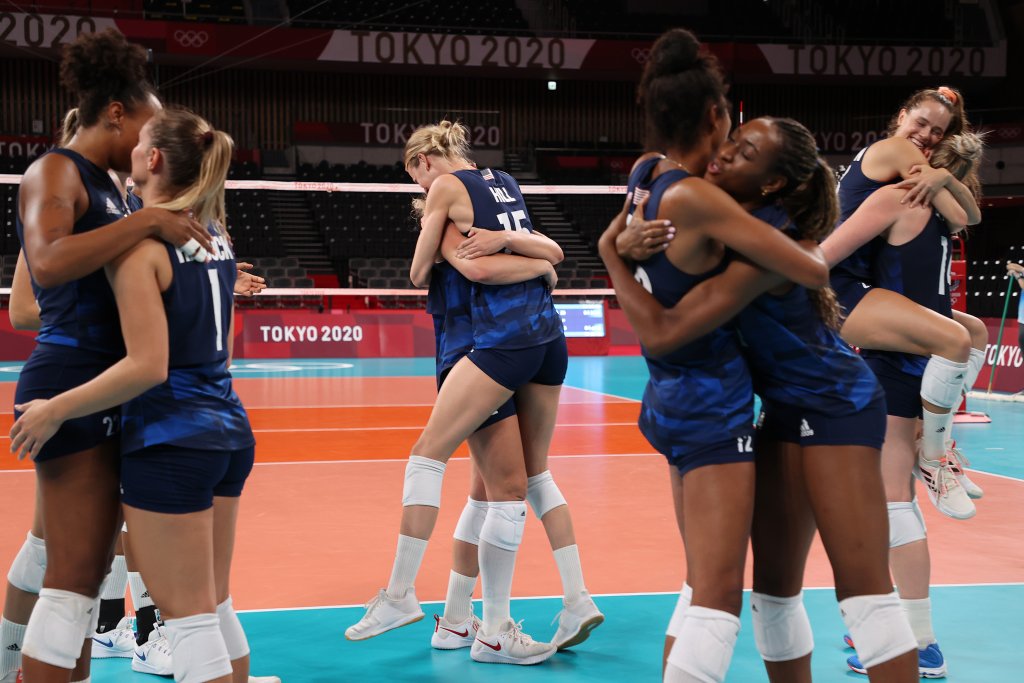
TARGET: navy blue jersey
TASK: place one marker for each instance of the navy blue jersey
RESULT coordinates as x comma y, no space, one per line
854,188
794,358
699,394
82,313
196,407
507,316
919,270
448,301
133,201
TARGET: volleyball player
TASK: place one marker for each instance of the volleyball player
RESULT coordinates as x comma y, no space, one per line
698,405
180,495
518,348
911,258
823,419
71,221
466,261
882,320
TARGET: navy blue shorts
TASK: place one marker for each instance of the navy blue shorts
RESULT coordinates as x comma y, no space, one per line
176,480
53,369
513,368
790,424
849,292
902,390
506,409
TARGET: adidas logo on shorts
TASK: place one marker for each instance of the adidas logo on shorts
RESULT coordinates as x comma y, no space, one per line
805,429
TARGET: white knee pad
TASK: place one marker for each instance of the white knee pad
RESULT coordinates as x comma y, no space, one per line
198,652
29,565
471,522
423,478
682,604
542,493
782,630
704,645
231,629
504,525
975,363
60,622
878,626
942,382
906,524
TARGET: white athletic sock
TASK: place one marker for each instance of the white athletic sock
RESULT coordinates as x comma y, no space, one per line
458,604
117,582
933,434
12,637
571,571
919,614
408,558
140,596
497,566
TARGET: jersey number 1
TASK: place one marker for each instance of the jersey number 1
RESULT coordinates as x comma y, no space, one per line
215,293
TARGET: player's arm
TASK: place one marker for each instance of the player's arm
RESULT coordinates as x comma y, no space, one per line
50,191
231,336
497,269
24,311
699,205
443,194
134,279
481,242
899,156
872,218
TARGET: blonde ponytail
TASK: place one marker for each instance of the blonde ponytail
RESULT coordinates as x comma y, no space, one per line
68,127
448,139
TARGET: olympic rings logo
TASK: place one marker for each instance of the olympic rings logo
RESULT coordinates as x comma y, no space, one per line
1009,133
641,55
191,38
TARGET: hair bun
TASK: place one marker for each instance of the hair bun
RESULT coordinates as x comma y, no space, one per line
676,51
968,145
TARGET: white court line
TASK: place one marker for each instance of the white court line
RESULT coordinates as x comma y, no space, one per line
384,429
419,405
602,393
1009,584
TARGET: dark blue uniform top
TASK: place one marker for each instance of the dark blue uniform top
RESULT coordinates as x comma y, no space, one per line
794,358
196,407
854,188
448,301
919,270
699,395
82,313
515,316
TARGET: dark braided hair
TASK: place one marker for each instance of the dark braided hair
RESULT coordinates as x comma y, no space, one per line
809,197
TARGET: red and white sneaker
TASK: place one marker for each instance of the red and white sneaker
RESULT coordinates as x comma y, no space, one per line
944,489
449,636
957,464
510,645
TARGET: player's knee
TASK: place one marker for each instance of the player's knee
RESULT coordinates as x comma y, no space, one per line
231,629
954,342
60,622
471,522
543,493
423,480
29,565
725,593
198,651
782,630
906,524
879,626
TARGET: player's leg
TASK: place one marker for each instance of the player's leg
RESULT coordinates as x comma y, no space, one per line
781,536
537,407
24,581
718,502
467,398
79,552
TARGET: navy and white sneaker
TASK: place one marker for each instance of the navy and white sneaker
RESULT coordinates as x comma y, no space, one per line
154,656
930,663
117,642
